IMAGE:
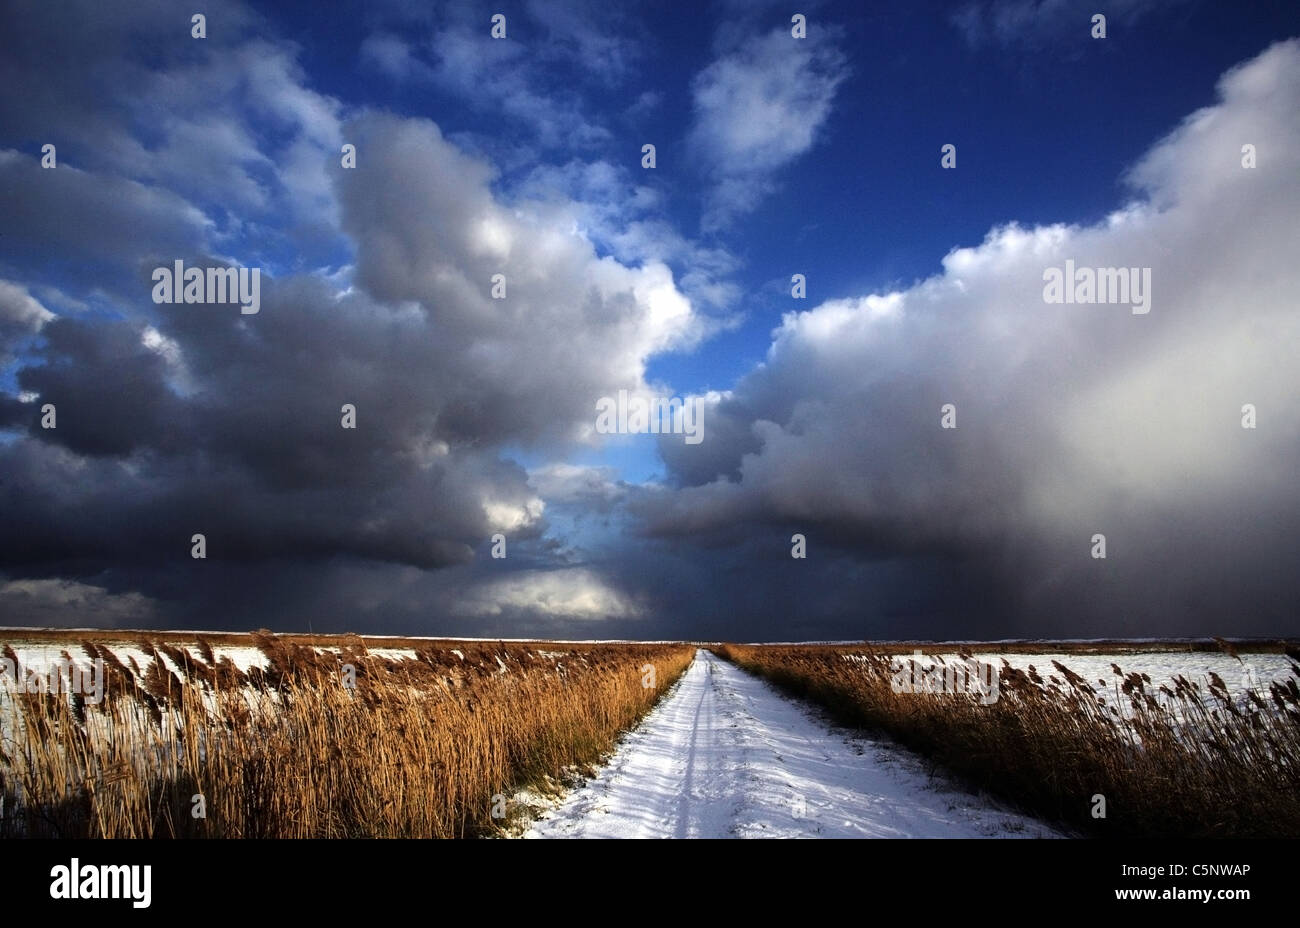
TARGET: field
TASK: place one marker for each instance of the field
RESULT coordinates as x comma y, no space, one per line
303,736
227,735
1187,744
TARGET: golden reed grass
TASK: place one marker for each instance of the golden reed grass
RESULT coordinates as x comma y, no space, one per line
417,748
1183,761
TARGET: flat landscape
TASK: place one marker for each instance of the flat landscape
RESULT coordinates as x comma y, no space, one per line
120,734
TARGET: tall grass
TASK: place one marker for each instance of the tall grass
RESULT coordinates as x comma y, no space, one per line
418,747
1190,760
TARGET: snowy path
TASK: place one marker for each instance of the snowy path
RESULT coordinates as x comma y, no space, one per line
725,755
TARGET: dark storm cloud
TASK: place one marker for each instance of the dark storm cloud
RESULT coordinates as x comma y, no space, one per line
1072,420
67,217
572,327
253,454
177,419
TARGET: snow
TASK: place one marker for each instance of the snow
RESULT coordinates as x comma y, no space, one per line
41,656
725,755
392,654
1253,672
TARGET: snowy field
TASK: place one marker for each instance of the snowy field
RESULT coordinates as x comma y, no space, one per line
40,656
1253,670
725,755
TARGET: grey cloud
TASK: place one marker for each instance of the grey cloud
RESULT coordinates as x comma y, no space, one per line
1072,420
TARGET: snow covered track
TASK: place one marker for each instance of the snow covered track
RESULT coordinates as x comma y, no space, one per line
725,755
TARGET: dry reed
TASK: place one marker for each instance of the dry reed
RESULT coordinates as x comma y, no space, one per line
1171,761
417,748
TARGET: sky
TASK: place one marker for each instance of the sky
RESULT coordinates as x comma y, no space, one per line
464,253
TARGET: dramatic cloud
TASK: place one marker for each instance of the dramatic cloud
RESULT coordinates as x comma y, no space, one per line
1072,419
67,603
509,168
183,419
572,328
21,316
573,593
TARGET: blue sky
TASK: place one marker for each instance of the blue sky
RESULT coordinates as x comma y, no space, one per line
775,156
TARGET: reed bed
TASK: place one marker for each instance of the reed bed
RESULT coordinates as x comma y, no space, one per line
417,747
1184,760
